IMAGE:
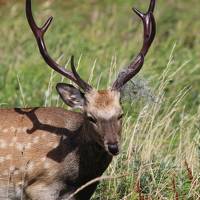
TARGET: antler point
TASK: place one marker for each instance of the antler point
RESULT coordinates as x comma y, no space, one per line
72,63
134,67
139,13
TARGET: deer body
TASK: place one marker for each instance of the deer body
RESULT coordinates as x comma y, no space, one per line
48,153
48,150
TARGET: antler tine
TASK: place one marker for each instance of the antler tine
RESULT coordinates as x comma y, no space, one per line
46,24
134,67
39,34
82,83
152,6
149,26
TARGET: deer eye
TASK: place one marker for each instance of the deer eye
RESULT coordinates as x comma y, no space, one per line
120,116
92,119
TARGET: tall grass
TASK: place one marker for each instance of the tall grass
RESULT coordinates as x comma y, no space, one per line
160,149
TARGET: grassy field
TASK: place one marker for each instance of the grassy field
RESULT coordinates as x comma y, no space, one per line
160,156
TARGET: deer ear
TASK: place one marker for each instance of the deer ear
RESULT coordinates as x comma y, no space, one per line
72,96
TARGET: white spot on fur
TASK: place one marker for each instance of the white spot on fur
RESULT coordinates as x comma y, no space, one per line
20,146
20,184
16,172
5,130
46,165
30,166
28,145
3,144
11,144
43,135
12,168
43,159
64,137
8,157
19,191
51,144
23,168
55,145
2,159
49,122
24,129
14,139
19,130
12,129
36,139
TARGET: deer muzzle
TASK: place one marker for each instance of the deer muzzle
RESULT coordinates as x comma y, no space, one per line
113,149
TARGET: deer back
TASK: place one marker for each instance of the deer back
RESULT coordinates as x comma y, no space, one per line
32,140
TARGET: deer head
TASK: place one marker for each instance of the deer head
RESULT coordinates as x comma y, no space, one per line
102,109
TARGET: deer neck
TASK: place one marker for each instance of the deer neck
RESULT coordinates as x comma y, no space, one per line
87,137
90,158
95,153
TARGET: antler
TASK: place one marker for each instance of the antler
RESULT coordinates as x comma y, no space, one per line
39,35
149,33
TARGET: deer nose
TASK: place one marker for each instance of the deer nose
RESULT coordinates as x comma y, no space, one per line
113,149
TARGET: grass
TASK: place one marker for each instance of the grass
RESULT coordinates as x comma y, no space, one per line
160,153
161,144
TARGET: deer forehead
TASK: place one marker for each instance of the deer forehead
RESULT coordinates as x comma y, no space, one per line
103,103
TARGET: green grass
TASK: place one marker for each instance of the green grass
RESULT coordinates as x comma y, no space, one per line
161,143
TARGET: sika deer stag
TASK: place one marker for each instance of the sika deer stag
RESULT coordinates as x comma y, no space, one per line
47,153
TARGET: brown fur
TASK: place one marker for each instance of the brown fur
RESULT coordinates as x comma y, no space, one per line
103,99
53,151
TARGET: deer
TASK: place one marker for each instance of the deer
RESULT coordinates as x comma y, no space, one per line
47,153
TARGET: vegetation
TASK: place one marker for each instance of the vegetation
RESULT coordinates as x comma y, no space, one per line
160,155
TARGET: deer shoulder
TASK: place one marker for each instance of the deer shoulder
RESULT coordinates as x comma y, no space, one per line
35,142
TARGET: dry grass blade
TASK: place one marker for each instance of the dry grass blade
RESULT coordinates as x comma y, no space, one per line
190,175
176,195
94,181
